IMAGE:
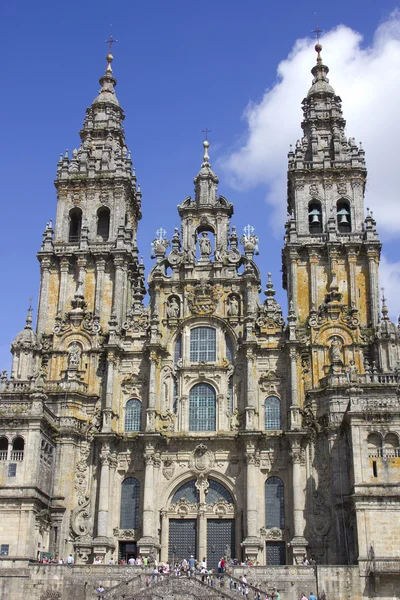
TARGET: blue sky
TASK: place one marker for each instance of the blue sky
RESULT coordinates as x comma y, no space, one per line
181,66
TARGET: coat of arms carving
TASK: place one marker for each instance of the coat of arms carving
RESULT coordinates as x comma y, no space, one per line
203,298
202,459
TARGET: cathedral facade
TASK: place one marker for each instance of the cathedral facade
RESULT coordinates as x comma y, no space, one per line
198,421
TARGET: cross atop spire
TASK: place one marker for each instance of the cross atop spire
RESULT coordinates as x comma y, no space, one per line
206,131
109,56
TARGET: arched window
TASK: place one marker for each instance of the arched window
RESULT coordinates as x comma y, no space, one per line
188,492
130,499
3,448
229,348
274,503
176,395
343,216
315,217
216,492
391,445
203,344
75,225
18,447
103,223
133,415
202,408
272,413
178,349
374,445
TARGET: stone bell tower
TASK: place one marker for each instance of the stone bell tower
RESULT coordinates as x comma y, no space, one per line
89,262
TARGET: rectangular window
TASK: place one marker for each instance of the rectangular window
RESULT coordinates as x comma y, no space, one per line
203,344
4,548
12,470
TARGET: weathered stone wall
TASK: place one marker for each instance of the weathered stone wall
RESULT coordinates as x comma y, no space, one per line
20,579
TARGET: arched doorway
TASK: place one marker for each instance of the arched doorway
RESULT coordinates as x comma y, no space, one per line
201,519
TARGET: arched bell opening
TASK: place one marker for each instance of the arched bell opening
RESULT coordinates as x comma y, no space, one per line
75,225
315,217
343,216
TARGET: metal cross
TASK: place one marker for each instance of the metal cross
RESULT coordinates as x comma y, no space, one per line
160,233
206,131
110,41
317,30
248,230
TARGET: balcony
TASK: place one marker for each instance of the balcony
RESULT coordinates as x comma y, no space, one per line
17,455
3,454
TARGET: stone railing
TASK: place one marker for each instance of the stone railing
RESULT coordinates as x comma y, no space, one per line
359,404
390,565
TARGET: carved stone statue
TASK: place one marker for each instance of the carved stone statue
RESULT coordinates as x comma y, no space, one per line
233,306
336,350
205,245
74,356
173,308
352,372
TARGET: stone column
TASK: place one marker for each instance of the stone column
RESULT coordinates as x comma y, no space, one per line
82,263
62,294
102,520
164,536
294,404
352,260
148,497
293,256
184,413
314,261
100,269
250,407
252,543
147,542
44,295
373,285
118,287
298,542
202,529
107,410
152,393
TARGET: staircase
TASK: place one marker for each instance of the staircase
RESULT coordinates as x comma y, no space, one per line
169,587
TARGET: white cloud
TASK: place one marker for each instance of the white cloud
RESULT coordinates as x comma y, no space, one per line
368,81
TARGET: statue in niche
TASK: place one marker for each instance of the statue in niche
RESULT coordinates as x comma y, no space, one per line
205,245
233,306
336,350
173,308
74,356
352,372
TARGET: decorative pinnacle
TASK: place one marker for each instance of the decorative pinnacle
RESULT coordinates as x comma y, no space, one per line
385,309
206,158
160,233
29,316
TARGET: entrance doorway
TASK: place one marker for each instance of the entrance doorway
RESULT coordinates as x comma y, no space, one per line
220,540
126,550
182,539
276,553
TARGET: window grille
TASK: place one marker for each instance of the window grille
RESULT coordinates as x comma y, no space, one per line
12,470
229,348
187,491
176,395
178,350
133,415
203,344
217,492
130,499
274,503
272,413
202,413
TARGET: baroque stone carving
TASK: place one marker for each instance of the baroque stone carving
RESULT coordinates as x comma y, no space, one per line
164,421
322,517
202,460
168,469
203,298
